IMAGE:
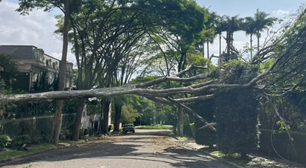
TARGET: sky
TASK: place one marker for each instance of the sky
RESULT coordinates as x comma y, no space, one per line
37,28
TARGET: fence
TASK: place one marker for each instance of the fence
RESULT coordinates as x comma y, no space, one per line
280,145
36,130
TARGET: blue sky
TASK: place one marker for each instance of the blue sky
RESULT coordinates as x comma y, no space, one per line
38,27
248,7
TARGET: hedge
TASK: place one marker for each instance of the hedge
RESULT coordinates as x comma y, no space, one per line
283,145
237,120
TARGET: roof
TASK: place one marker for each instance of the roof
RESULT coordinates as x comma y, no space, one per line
22,52
18,51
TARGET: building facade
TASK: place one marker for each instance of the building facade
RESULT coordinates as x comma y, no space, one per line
32,62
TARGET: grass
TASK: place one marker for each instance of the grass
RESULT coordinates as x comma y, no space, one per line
155,127
235,158
31,150
182,138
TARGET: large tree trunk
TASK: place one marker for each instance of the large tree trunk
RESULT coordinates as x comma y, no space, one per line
59,107
105,113
203,43
207,49
228,42
220,36
180,122
258,37
118,109
78,118
251,45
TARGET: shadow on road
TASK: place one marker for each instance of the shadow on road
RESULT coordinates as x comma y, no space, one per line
128,147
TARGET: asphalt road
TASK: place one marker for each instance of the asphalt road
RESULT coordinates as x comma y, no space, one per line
144,149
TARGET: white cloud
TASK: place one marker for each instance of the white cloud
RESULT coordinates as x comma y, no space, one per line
281,12
34,29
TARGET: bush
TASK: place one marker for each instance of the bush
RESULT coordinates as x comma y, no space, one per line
20,140
283,146
237,121
4,141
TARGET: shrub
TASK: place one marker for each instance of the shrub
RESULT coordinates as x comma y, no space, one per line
237,120
4,141
20,140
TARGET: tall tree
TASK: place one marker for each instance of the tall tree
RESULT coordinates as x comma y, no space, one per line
28,5
262,23
234,24
102,32
250,29
221,26
8,71
184,29
210,29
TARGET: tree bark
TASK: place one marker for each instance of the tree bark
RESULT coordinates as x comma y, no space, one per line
220,44
105,106
78,118
118,109
251,45
258,37
59,107
203,48
207,49
180,121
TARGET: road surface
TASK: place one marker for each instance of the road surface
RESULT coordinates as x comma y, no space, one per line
144,149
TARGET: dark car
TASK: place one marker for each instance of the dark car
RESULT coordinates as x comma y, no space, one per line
128,128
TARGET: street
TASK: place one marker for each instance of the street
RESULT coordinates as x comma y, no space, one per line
144,149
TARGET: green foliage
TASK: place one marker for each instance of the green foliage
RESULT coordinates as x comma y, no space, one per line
129,114
4,141
235,71
282,145
237,120
8,71
206,110
42,83
20,140
35,131
291,107
31,109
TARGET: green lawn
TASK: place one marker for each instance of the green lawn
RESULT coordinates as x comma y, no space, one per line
182,138
154,127
31,150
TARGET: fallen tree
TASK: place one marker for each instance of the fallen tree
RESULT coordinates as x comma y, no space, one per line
286,53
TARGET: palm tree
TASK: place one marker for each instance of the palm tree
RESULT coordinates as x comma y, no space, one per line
221,26
262,22
250,29
209,33
211,25
233,24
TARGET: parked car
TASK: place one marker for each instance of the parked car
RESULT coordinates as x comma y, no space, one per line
128,128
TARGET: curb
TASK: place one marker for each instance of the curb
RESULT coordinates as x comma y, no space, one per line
16,158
